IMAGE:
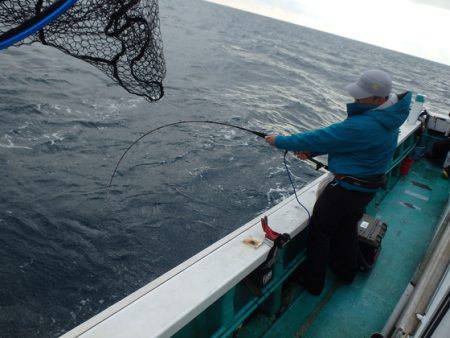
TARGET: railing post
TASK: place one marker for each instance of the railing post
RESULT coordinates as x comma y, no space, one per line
227,308
274,303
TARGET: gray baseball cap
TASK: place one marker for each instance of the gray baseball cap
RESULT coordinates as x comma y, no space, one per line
372,83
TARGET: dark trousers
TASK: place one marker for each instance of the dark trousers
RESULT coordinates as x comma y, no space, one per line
333,235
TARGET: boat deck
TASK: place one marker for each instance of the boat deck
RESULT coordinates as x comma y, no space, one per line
411,210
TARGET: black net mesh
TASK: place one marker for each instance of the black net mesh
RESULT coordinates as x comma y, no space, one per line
120,37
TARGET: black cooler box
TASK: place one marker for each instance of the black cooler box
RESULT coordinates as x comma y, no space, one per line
370,232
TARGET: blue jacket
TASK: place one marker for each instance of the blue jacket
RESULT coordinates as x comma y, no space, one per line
362,145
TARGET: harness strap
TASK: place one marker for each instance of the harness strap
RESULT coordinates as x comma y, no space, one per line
374,182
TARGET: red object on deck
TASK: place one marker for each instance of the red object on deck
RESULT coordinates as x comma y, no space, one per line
270,234
406,166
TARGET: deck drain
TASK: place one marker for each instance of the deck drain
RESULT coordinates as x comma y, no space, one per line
421,185
410,205
416,195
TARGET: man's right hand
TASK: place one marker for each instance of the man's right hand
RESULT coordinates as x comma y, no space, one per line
303,155
271,139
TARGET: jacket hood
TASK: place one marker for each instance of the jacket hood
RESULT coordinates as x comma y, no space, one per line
394,116
356,108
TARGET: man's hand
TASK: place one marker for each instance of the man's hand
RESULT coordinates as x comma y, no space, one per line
303,155
271,139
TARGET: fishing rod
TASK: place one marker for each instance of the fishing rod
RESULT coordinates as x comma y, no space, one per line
257,133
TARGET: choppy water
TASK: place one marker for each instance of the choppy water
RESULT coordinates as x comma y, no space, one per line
67,248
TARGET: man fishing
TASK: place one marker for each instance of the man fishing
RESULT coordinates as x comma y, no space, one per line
359,150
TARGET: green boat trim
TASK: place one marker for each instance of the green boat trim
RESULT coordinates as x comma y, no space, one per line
211,294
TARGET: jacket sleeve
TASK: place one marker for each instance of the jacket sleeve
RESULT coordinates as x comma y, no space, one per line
343,137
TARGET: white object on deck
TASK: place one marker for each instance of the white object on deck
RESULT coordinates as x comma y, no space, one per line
439,122
416,109
164,306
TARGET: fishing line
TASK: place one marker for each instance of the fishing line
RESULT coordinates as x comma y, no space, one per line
293,186
257,133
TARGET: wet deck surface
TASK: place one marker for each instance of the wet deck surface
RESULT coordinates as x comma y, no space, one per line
411,210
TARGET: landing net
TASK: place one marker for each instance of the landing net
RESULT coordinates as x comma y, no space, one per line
120,37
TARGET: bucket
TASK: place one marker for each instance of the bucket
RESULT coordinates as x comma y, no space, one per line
406,166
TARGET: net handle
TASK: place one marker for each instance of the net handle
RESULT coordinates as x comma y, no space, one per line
35,24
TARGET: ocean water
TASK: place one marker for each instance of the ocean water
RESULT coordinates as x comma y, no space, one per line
69,248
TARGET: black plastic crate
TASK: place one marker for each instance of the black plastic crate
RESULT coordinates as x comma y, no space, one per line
370,233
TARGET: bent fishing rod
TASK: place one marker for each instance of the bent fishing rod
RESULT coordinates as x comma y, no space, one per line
257,133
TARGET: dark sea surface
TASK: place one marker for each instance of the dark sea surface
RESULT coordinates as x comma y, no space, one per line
68,248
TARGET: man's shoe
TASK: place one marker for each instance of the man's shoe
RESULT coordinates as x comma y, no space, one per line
446,173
